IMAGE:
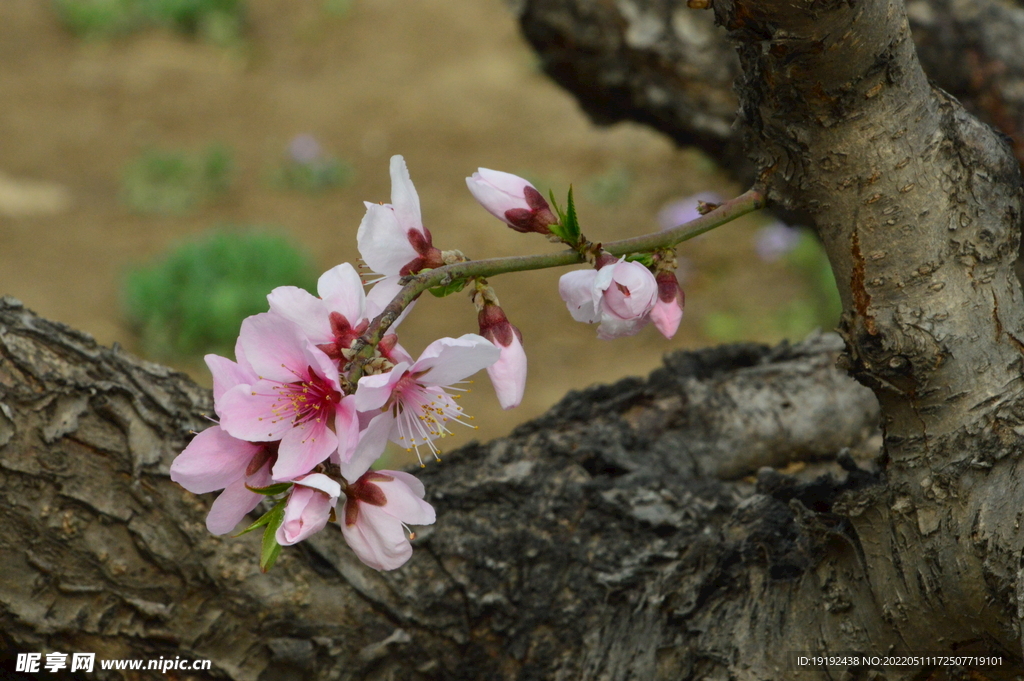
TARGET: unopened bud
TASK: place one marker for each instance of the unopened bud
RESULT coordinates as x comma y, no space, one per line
512,199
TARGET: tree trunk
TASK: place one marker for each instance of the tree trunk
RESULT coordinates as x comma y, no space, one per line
617,537
604,540
659,63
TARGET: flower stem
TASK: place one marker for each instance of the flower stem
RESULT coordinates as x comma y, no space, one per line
416,284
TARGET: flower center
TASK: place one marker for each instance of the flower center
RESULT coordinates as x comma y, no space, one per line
311,399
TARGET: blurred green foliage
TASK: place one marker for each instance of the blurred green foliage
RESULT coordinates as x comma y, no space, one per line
818,308
193,300
220,21
172,182
610,187
313,176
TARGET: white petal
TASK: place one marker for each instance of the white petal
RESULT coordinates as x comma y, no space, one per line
404,197
383,243
342,291
449,360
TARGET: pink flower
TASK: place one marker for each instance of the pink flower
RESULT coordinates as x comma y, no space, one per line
413,398
297,399
620,296
308,508
508,374
378,505
512,199
332,321
391,238
214,460
668,310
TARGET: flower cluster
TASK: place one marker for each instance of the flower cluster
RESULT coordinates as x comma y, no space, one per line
307,406
319,384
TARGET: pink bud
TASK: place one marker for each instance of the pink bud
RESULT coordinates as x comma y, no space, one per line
308,509
668,311
512,199
508,374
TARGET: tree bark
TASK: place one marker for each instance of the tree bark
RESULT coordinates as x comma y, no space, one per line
658,63
603,540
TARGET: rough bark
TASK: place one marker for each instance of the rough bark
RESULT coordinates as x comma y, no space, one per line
659,63
594,543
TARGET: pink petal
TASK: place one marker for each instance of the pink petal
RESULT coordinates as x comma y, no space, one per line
306,513
307,312
273,346
577,290
212,461
405,499
232,505
247,412
383,243
227,374
375,390
342,291
449,360
321,482
613,327
378,538
302,448
666,316
508,374
346,428
372,441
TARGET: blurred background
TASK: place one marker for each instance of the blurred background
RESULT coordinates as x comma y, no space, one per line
165,163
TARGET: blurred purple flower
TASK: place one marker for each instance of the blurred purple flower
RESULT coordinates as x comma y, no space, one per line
684,210
775,240
304,149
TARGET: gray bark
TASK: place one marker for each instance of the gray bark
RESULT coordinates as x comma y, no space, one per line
592,543
659,63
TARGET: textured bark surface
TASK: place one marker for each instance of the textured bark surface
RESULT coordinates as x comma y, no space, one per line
660,63
592,543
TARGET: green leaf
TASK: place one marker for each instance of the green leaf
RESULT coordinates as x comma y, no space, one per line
264,519
270,549
568,227
554,204
271,490
645,259
449,288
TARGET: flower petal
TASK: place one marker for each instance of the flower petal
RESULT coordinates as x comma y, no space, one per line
227,374
247,412
231,506
378,538
302,448
372,441
383,243
577,290
342,291
374,391
404,197
212,461
273,346
449,360
405,499
304,310
508,374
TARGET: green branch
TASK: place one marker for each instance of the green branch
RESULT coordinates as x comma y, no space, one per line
416,284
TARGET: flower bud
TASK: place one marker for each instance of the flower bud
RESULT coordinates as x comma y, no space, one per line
508,374
668,310
512,199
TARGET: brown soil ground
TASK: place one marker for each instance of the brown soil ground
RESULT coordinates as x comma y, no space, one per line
447,83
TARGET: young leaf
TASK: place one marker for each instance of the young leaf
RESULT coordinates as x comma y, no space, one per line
645,259
449,288
269,548
264,519
570,224
554,204
271,490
